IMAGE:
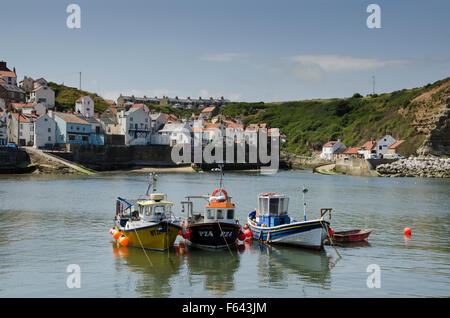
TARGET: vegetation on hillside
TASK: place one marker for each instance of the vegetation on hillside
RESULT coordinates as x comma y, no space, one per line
66,96
309,124
180,113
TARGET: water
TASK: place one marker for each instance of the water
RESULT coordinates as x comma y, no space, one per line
48,223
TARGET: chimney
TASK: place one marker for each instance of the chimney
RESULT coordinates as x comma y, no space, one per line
3,66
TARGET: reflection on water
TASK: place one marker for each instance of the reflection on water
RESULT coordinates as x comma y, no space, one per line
306,265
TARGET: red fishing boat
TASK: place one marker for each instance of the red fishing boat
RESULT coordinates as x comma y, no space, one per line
351,235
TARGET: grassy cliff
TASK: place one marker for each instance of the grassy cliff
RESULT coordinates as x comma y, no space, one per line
66,96
309,124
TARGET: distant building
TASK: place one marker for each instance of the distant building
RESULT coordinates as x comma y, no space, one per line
44,132
3,128
85,106
27,84
173,134
21,129
209,112
331,148
43,95
11,94
368,150
384,143
71,129
8,76
183,103
134,124
351,153
401,147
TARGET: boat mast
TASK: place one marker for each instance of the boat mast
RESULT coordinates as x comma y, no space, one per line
304,202
152,182
221,176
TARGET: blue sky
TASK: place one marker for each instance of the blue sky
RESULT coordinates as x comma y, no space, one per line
244,50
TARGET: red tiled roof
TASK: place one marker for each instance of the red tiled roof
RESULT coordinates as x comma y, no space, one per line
70,118
110,101
208,109
79,100
396,144
351,151
7,73
329,144
2,80
369,145
23,119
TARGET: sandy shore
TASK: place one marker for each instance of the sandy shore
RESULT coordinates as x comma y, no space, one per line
185,169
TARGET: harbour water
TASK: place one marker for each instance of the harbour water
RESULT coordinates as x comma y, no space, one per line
48,223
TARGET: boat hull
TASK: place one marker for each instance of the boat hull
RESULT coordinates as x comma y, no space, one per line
158,236
351,236
309,234
214,235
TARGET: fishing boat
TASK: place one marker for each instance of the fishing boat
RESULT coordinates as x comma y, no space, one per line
271,223
351,235
215,227
147,222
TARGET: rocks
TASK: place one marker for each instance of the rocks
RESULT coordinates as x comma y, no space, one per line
417,167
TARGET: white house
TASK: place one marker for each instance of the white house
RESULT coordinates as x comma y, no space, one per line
3,128
158,120
21,129
44,131
44,95
39,82
135,125
173,134
85,106
368,150
384,143
330,148
38,109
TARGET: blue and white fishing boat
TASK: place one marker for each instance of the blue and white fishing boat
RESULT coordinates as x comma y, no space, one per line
271,223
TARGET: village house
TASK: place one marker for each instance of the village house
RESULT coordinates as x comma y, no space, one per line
332,150
384,143
158,120
368,150
85,106
44,95
71,129
173,134
351,153
134,124
111,113
31,109
27,84
183,103
209,112
109,127
11,94
402,148
3,128
21,129
7,75
40,82
44,131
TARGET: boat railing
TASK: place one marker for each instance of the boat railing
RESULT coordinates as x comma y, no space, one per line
324,211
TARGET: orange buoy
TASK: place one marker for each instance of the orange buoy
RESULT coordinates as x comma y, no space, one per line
124,240
117,234
407,231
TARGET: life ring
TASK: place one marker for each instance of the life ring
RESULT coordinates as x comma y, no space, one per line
222,191
267,194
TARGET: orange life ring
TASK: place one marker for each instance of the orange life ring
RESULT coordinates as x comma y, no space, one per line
220,190
267,194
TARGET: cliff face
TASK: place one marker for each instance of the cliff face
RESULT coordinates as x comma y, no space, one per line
432,119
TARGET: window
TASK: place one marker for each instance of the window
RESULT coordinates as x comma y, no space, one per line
219,214
78,128
71,137
210,214
158,209
274,205
49,138
230,214
85,138
49,130
131,118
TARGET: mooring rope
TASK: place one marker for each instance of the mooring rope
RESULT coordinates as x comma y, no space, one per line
225,240
137,235
330,239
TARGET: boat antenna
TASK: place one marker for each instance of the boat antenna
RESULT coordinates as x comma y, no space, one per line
304,202
221,176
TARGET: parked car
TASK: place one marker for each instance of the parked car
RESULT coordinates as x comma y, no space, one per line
11,145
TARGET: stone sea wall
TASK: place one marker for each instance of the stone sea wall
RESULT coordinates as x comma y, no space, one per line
417,167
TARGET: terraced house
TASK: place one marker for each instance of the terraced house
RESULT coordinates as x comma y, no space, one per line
72,129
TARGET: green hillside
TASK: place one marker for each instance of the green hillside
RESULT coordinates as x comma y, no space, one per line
66,96
309,124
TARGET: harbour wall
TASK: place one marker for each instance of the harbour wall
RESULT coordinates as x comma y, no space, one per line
360,167
14,160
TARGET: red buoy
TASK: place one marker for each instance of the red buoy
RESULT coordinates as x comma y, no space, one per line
407,231
241,236
187,235
248,233
245,226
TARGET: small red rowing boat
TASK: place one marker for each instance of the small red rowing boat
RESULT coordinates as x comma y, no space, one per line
351,236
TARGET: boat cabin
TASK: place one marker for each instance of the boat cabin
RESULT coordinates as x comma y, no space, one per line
218,209
272,210
154,209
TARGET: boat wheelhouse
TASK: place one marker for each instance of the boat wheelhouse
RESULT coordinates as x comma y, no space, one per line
271,223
